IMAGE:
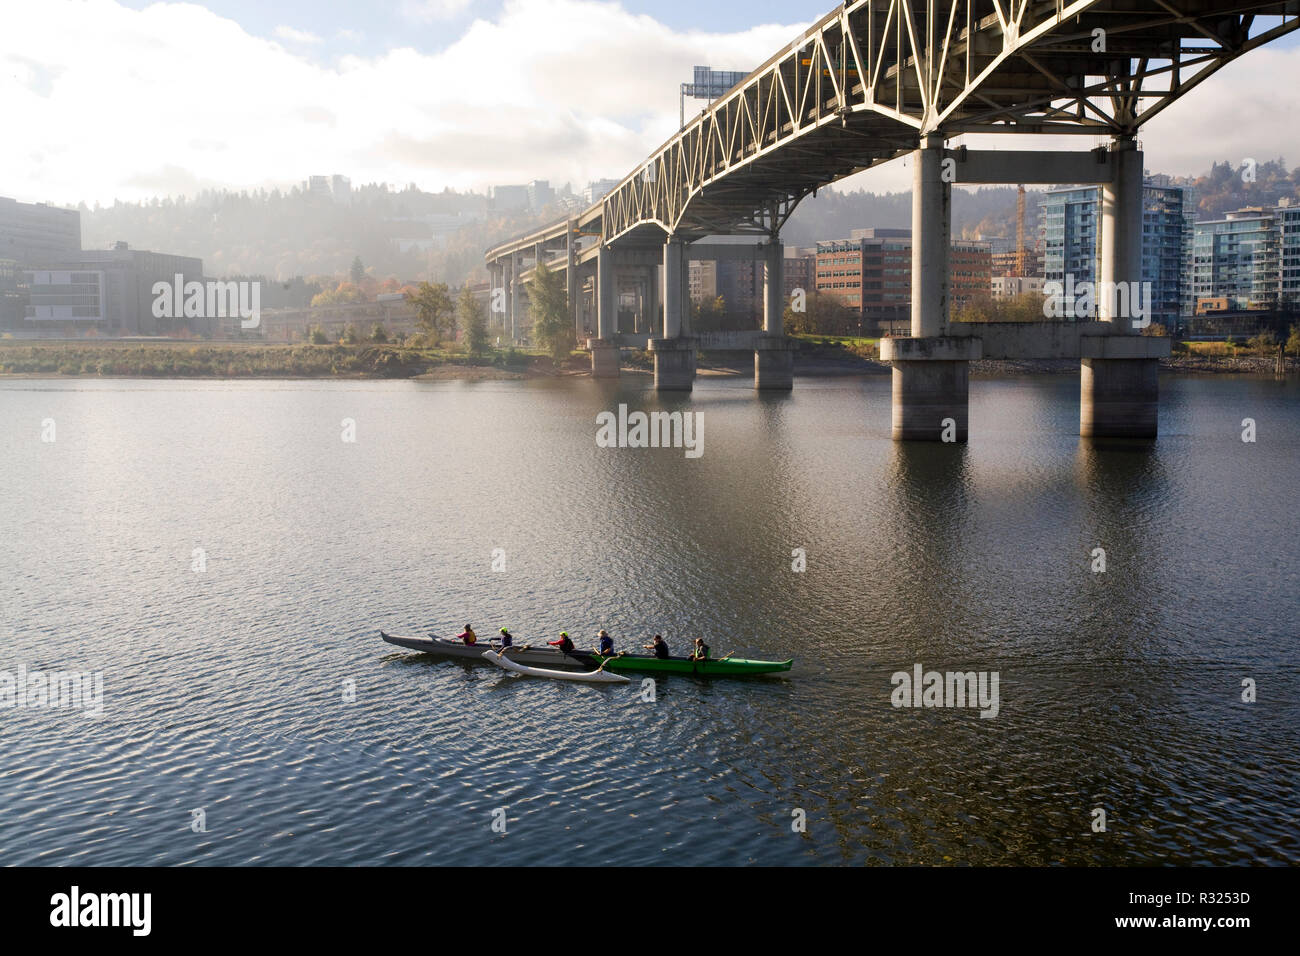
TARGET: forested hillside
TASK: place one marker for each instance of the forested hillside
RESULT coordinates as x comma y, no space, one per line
295,234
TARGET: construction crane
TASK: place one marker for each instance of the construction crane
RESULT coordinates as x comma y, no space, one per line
1022,254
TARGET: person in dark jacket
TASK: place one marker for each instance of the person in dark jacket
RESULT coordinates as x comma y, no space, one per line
659,647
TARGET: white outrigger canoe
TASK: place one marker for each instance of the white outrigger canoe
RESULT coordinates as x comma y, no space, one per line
450,647
595,677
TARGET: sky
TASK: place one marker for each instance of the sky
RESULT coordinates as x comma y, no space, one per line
128,100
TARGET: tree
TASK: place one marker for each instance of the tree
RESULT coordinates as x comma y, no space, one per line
707,315
1264,342
1293,341
433,308
350,335
358,271
549,303
379,333
823,314
347,293
1024,307
473,318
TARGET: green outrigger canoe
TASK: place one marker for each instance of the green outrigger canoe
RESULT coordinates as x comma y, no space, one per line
721,667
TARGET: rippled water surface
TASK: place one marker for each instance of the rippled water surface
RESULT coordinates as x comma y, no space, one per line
227,690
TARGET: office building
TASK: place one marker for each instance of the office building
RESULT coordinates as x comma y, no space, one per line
871,272
597,190
738,281
540,194
110,291
35,232
509,198
13,298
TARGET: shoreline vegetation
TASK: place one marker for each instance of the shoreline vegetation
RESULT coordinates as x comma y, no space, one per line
819,355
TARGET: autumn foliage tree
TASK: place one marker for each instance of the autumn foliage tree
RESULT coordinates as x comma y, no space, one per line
434,310
473,318
549,303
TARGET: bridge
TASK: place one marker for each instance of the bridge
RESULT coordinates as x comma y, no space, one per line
872,81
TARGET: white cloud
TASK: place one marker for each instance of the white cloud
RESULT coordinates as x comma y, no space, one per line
127,103
108,102
429,10
295,36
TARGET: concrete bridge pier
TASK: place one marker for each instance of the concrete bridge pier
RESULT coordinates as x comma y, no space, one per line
1119,386
930,369
931,386
774,353
508,320
604,348
674,353
1119,389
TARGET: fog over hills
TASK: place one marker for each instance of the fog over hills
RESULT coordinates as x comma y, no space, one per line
410,234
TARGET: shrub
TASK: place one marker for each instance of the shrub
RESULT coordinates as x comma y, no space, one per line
1265,341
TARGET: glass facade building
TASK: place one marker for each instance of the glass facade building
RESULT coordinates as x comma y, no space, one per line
1070,224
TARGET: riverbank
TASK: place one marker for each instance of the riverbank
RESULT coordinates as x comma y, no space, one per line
229,360
234,360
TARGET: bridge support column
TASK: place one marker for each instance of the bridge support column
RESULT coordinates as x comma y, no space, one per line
508,320
931,233
650,304
774,353
774,363
674,364
674,286
674,354
931,386
1119,385
604,351
1119,390
572,284
930,369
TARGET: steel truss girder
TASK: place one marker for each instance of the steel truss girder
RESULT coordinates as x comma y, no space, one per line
868,80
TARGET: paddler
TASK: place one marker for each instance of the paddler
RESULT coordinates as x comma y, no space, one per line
468,636
659,647
701,651
507,640
564,644
606,644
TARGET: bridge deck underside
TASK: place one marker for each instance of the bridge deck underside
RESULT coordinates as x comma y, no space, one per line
867,81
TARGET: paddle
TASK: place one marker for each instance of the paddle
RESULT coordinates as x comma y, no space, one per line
513,648
608,659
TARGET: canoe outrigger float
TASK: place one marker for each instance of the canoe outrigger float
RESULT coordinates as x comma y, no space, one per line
594,677
710,667
449,647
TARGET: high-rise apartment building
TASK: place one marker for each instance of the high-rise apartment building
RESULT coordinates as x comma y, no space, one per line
1070,226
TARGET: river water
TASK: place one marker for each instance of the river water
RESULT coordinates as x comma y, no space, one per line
224,559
